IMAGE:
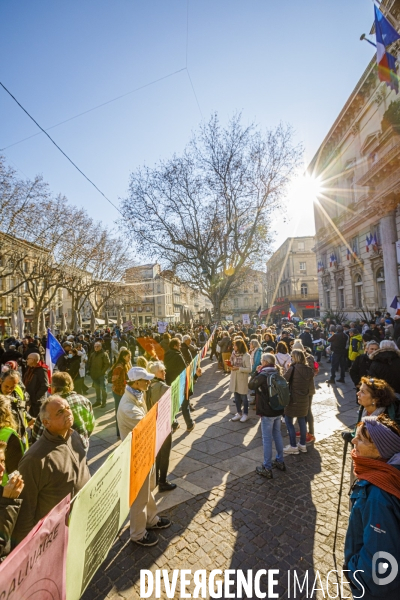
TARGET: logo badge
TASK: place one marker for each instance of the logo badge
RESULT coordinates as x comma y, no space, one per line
384,563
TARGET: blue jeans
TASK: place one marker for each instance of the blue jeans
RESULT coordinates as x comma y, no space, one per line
100,387
292,432
239,399
271,430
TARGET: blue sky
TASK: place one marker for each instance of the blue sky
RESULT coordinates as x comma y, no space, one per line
295,61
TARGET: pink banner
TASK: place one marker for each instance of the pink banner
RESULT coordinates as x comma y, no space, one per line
36,567
163,419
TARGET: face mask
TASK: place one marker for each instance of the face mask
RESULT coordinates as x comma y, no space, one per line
70,355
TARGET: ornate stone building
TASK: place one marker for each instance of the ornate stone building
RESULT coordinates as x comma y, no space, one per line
292,278
357,214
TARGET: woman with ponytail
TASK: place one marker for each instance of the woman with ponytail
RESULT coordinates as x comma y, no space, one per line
374,524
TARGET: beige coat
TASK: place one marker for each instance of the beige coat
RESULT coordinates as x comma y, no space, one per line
240,378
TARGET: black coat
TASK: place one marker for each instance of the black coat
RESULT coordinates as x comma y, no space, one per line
189,352
9,510
36,382
306,338
10,355
386,365
360,368
174,364
258,382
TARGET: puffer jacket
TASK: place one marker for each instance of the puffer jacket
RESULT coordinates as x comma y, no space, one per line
374,526
356,347
301,381
386,365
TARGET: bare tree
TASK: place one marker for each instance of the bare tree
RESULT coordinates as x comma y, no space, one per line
207,214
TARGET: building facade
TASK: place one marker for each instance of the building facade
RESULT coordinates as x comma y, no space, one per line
247,299
292,279
357,214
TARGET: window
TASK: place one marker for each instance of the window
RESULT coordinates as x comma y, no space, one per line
354,245
256,288
323,259
381,287
304,289
300,246
148,309
340,293
235,302
158,299
303,267
358,291
328,299
246,290
159,310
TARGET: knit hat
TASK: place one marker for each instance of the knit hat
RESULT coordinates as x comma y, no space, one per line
386,441
388,345
297,345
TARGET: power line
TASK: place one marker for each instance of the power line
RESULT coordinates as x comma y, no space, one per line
85,112
194,92
62,151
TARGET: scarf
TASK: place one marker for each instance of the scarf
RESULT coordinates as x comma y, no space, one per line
237,359
377,472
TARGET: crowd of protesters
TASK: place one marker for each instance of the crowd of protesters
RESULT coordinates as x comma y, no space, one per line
46,423
46,419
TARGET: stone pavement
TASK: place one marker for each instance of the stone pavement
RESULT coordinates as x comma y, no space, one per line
224,515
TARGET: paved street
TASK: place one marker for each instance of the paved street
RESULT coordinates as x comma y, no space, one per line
224,515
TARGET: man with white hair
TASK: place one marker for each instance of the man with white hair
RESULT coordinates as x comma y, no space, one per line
188,350
36,382
53,467
144,519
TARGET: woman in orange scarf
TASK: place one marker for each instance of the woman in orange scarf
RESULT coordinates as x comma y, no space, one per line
372,546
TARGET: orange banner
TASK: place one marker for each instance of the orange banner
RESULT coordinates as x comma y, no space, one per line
143,451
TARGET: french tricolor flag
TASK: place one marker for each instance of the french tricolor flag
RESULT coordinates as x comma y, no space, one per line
385,35
53,351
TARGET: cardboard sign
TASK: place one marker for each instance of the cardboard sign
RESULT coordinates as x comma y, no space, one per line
142,451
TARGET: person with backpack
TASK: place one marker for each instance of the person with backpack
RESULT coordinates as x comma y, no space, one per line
202,338
272,392
300,377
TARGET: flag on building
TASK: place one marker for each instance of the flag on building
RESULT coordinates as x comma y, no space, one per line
259,312
396,305
375,244
385,35
348,253
368,242
53,351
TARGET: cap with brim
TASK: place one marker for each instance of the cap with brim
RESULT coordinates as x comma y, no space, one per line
136,373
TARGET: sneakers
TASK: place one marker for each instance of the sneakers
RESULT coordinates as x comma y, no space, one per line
267,473
149,539
301,448
189,429
162,523
309,437
291,450
278,465
244,418
166,486
237,417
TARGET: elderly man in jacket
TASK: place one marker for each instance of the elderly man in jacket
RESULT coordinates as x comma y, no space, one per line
132,408
52,468
98,364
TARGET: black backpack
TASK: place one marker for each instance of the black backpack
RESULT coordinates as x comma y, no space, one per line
202,336
278,390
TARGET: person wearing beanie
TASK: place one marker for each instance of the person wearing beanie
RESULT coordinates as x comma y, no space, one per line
386,364
374,523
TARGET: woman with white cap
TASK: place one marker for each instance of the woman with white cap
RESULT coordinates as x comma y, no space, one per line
372,545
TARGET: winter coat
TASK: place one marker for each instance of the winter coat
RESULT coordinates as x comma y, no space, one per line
98,363
164,345
10,355
189,352
306,338
239,379
301,381
174,364
283,360
119,378
259,383
338,343
36,382
356,346
360,368
157,388
396,329
225,344
386,365
9,510
114,348
374,526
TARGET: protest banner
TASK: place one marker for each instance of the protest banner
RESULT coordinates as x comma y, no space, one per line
36,568
142,451
182,386
246,319
163,423
162,326
99,511
174,398
128,326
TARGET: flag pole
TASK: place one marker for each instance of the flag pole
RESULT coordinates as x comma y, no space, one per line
386,12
